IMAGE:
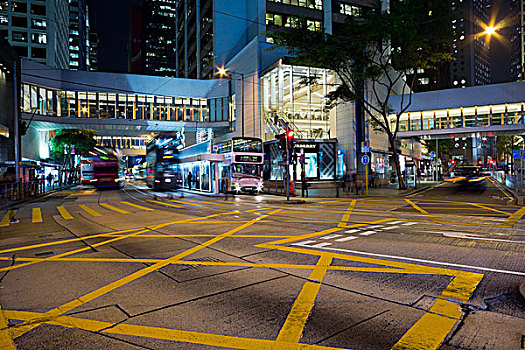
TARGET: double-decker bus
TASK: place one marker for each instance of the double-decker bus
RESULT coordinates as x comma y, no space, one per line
162,170
241,170
108,168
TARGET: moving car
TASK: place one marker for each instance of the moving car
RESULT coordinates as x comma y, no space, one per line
468,177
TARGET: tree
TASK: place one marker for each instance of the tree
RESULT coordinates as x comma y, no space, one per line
70,142
374,54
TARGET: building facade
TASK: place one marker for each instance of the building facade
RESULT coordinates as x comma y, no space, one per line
158,37
517,40
79,35
37,29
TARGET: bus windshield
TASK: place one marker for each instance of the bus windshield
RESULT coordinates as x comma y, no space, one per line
247,145
248,169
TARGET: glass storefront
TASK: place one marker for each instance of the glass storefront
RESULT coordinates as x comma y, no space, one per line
87,104
297,95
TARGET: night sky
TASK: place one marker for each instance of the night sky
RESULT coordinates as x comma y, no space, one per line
111,20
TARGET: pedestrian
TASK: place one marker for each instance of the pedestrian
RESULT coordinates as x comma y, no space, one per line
49,179
304,185
359,183
189,180
346,181
418,174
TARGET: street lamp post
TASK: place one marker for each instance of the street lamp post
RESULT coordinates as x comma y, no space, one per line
223,72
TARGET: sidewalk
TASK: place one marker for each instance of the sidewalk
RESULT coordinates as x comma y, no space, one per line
8,204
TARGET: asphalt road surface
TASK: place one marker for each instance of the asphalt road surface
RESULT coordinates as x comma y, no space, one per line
137,269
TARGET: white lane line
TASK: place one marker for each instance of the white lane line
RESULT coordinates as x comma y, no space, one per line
320,245
409,223
373,227
427,261
352,231
391,227
367,233
395,222
462,235
304,242
349,238
330,236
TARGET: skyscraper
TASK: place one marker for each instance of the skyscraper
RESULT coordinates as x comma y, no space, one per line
158,37
37,29
78,35
517,39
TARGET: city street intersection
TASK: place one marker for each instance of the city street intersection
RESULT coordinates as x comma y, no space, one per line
137,269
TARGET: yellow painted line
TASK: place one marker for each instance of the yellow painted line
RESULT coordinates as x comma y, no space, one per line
6,342
187,203
89,210
421,210
65,214
513,219
207,202
174,335
428,333
164,203
292,330
491,209
6,220
137,206
21,329
501,189
109,206
36,215
347,214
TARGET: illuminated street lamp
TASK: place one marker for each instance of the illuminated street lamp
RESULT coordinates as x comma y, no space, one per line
223,72
490,30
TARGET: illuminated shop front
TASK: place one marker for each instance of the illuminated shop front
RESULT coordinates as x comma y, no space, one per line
287,95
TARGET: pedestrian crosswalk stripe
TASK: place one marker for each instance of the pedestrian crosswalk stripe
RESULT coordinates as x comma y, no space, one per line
164,203
331,236
6,220
89,210
346,239
352,231
320,245
367,233
37,215
390,227
374,227
137,206
187,203
118,210
65,214
409,223
395,222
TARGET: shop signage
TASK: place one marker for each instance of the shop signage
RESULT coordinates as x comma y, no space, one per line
307,146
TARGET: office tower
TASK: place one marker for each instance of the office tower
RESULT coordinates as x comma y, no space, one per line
158,37
517,39
93,50
37,29
78,35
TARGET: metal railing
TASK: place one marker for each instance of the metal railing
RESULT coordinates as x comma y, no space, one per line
21,190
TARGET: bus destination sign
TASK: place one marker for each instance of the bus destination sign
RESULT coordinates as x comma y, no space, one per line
247,159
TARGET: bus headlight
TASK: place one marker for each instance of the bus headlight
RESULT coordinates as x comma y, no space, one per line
260,187
167,180
237,187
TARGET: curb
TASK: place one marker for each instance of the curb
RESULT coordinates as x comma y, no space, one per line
517,198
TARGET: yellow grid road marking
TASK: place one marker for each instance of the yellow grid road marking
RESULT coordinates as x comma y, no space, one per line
421,210
501,189
187,203
513,219
137,206
164,203
292,330
65,214
89,210
347,214
109,206
491,209
22,328
36,215
6,220
6,342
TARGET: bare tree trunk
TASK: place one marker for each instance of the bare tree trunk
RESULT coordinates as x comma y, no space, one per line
401,182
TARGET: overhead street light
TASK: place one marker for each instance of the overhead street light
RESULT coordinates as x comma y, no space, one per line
223,72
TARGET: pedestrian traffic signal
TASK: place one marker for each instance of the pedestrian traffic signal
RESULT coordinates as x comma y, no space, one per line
282,141
294,158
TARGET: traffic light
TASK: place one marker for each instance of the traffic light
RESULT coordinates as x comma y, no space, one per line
294,159
290,135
